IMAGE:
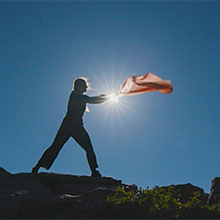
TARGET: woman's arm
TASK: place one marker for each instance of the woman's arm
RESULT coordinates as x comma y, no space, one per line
97,99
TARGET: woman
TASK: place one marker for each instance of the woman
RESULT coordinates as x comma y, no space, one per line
72,126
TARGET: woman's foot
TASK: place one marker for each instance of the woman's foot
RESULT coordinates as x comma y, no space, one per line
96,173
35,169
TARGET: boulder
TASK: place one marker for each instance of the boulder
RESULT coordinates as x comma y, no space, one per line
214,196
188,190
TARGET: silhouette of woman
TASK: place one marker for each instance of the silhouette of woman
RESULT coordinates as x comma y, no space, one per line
72,126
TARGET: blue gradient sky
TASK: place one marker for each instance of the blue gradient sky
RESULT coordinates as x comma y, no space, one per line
151,139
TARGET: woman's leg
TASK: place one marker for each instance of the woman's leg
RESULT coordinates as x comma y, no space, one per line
51,153
82,138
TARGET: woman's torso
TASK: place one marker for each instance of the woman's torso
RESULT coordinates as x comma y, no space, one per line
76,107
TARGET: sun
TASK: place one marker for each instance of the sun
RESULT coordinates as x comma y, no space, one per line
113,98
117,109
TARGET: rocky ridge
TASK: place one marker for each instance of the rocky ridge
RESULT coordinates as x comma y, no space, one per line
60,196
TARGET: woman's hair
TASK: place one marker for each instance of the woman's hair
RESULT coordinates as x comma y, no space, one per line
79,81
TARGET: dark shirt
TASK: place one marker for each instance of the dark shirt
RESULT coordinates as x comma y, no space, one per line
76,107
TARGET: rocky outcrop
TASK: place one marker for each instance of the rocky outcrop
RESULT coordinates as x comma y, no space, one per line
188,190
50,195
214,196
59,196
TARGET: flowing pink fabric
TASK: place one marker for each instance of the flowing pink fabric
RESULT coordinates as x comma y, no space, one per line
141,84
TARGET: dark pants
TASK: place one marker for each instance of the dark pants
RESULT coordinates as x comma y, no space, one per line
67,130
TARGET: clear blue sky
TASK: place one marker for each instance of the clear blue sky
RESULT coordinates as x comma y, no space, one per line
150,139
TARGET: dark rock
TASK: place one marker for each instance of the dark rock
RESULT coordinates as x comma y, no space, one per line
50,195
61,196
18,196
214,196
70,184
188,190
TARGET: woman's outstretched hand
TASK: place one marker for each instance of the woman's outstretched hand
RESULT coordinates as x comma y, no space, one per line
98,99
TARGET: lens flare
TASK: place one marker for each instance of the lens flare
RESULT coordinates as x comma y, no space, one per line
113,98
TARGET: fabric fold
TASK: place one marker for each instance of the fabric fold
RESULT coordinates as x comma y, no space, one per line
142,84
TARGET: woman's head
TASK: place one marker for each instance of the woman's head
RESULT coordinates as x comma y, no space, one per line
81,85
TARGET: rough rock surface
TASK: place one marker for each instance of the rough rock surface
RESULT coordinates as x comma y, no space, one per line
214,196
60,196
188,190
50,195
